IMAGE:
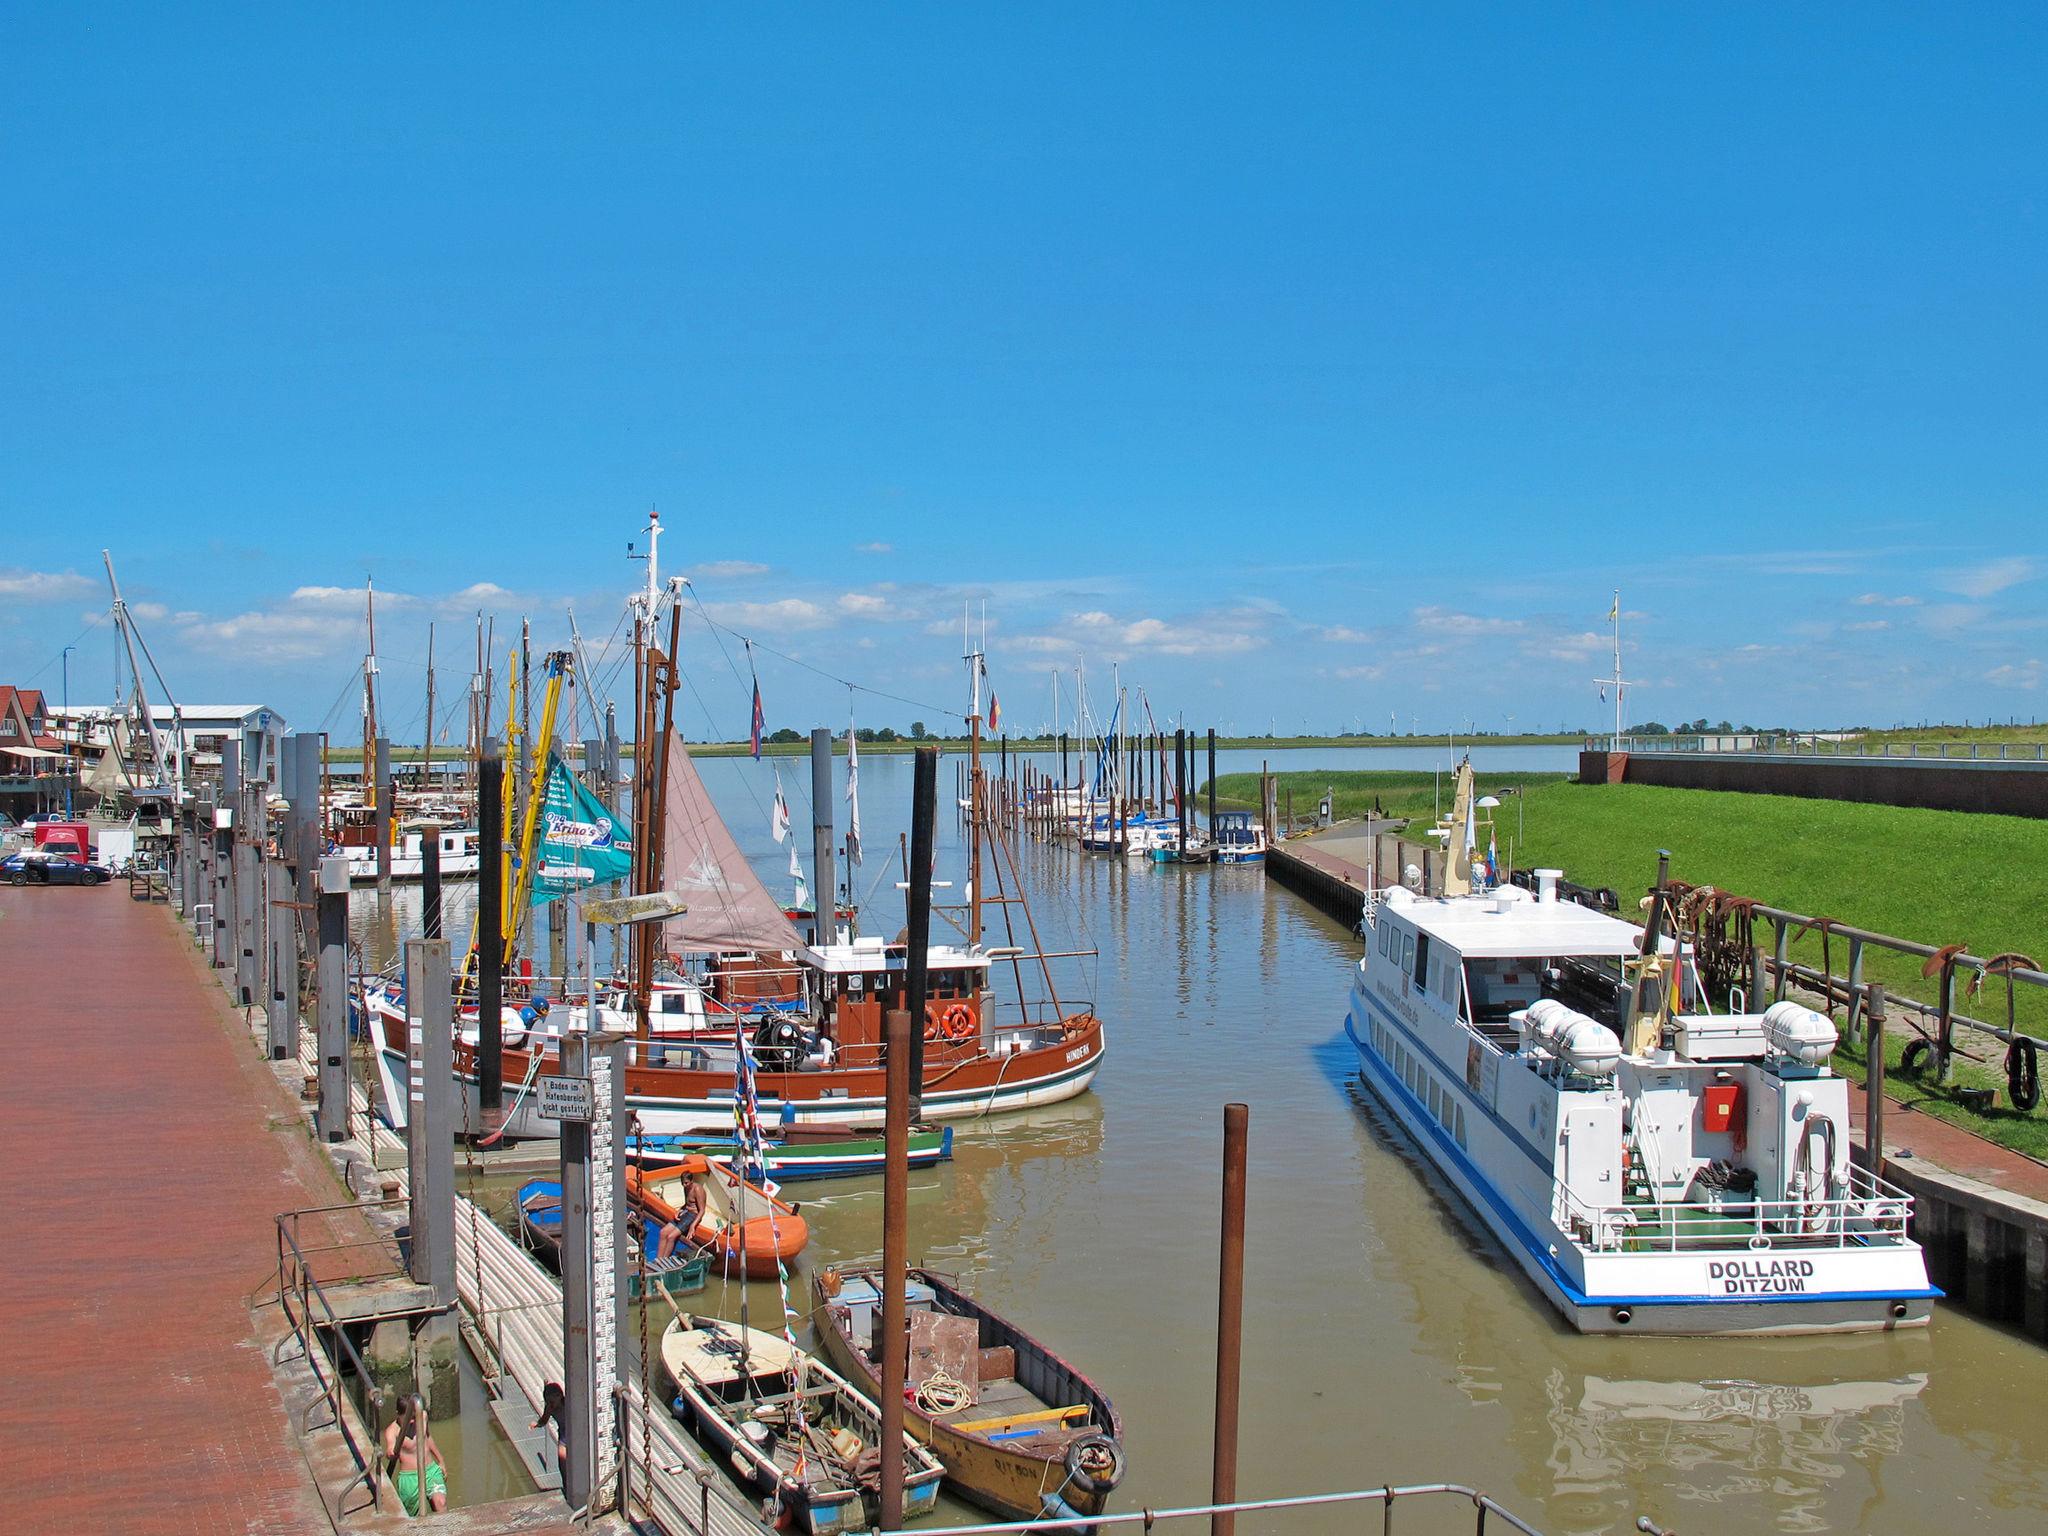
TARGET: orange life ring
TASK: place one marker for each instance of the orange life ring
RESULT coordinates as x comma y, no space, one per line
957,1022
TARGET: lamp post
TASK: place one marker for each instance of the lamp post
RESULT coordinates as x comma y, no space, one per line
64,662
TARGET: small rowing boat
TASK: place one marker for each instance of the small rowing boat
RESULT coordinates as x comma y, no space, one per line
790,1426
540,1223
746,1228
1020,1432
798,1152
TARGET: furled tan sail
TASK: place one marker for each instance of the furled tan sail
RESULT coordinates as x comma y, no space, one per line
729,908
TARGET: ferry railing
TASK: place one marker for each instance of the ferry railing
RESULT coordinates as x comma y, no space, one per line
309,1313
1487,1514
1870,1212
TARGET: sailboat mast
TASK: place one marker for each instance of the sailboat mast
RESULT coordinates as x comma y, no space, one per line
429,772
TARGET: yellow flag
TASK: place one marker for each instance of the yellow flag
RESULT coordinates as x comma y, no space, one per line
1614,612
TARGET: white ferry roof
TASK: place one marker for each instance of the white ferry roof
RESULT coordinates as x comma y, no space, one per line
1486,928
873,955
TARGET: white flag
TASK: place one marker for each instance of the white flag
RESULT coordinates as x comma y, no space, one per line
778,814
796,872
852,795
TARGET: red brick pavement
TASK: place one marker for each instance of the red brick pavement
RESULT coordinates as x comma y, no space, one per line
133,1395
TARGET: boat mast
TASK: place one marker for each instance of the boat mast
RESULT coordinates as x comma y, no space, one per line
369,779
973,657
429,776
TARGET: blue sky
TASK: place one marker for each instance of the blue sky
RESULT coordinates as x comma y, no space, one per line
1322,364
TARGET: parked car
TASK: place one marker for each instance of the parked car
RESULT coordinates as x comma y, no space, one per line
52,869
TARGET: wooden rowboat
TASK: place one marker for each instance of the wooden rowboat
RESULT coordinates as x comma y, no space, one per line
789,1426
745,1228
1021,1432
540,1223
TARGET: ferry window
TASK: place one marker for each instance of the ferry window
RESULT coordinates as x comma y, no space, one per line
1421,959
1408,952
1458,1124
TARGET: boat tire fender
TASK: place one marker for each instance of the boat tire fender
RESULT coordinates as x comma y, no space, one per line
1095,1463
2023,1074
1913,1058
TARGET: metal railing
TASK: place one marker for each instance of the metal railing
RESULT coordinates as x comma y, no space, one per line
309,1314
1870,1213
1483,1506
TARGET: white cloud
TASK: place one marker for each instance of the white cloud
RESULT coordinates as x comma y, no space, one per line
729,570
2026,674
1880,600
1868,626
1344,634
865,605
1215,632
1365,674
1583,646
785,613
45,586
874,547
1993,576
1447,621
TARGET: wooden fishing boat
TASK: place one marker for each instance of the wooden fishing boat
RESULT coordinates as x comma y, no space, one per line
746,1229
540,1223
1021,1432
800,1152
789,1426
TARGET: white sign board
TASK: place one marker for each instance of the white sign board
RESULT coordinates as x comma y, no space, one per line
564,1098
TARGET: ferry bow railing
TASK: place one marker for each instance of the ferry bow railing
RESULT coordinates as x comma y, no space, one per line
309,1313
1870,1212
1487,1515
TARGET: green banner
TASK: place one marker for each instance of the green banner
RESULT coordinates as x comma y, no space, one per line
580,846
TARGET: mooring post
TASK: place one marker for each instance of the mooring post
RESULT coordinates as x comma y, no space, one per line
1229,1318
283,969
430,1153
826,926
206,836
1873,1081
430,882
593,1311
1212,781
330,998
895,1261
1855,985
490,928
379,768
924,800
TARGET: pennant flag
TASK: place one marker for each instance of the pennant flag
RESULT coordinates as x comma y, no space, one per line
580,844
756,742
802,898
995,711
1614,612
852,795
778,814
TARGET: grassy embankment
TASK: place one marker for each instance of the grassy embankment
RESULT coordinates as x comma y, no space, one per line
1940,877
342,752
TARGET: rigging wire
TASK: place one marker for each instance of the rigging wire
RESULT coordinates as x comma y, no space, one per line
880,693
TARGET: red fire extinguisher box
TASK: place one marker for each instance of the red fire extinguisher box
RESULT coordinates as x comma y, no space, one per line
1720,1105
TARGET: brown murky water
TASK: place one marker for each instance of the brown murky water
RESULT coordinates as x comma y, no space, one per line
1386,1340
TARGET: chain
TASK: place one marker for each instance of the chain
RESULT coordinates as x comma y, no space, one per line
640,1267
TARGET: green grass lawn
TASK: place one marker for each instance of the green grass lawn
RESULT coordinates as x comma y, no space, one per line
1940,877
1982,735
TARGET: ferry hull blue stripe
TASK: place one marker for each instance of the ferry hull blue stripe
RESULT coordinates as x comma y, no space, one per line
1397,1090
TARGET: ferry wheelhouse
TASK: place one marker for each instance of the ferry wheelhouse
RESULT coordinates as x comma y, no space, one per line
1653,1167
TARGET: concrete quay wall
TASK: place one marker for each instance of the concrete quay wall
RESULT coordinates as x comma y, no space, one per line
2009,788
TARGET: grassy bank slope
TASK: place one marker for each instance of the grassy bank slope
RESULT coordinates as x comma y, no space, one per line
1398,791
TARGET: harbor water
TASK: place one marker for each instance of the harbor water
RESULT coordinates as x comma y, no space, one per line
1386,1339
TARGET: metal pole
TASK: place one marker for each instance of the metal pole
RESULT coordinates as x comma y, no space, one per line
283,987
1873,1082
895,1263
826,927
490,920
1229,1318
430,1148
924,800
593,1257
1212,781
382,767
330,999
579,1386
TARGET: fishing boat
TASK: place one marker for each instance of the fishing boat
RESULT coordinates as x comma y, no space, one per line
1652,1166
801,1152
540,1224
813,1014
1238,837
793,1429
1020,1432
746,1229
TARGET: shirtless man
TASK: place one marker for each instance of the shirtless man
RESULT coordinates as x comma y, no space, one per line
677,1233
409,1447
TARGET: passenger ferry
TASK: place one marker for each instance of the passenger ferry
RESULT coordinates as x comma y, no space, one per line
1652,1166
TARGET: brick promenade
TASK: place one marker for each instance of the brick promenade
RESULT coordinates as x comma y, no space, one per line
141,1176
